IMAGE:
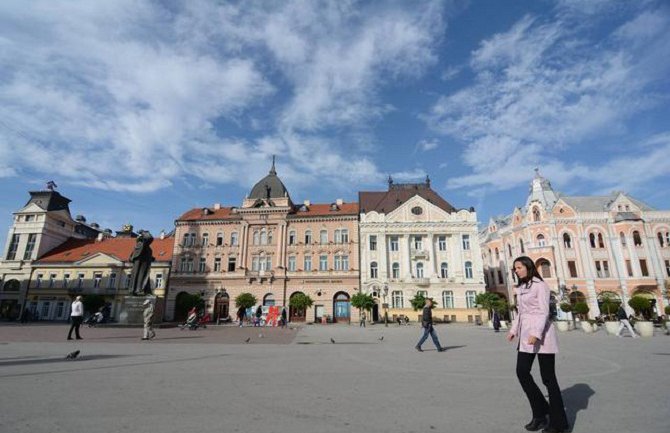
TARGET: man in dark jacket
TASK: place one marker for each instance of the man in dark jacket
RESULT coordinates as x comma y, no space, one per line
623,322
427,325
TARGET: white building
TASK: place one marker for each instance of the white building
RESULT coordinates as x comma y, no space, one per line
413,241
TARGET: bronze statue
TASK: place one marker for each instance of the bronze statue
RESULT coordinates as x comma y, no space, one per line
141,258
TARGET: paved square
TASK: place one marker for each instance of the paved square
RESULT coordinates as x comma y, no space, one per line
298,381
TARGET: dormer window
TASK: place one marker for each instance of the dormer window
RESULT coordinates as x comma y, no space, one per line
417,210
333,207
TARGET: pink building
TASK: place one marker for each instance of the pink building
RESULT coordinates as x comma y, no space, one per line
583,246
271,248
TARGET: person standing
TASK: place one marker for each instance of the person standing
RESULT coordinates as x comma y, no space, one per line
241,314
283,317
428,329
76,316
623,322
362,319
496,321
537,337
148,316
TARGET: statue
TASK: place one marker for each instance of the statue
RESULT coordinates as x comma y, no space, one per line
141,258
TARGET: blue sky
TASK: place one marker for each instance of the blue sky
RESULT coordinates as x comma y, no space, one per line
142,110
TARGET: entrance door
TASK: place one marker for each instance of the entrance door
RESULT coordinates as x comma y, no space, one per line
319,311
221,306
341,307
375,313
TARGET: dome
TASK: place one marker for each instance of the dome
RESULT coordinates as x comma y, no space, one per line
269,187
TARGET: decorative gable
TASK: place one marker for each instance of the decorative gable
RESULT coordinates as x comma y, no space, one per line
417,209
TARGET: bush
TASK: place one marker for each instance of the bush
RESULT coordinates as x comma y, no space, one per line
639,304
300,301
667,310
245,300
419,301
185,302
566,307
581,309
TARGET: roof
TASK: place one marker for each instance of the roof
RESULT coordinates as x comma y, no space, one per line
74,250
269,187
49,200
319,210
397,194
204,214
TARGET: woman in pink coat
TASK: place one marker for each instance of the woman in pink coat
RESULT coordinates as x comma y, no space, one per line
537,335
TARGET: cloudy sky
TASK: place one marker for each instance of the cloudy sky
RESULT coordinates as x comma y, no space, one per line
141,110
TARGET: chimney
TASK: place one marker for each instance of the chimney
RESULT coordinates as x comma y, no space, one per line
307,203
100,237
217,206
162,235
339,202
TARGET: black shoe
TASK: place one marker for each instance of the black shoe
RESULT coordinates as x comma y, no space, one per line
79,338
442,349
535,424
419,349
69,338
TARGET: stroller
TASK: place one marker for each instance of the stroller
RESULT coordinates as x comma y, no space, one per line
193,321
94,320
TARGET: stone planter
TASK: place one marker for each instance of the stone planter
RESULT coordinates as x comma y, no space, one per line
587,327
644,328
612,327
503,324
562,325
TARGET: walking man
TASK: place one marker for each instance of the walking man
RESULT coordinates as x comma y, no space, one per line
427,325
76,316
241,314
148,315
623,322
362,321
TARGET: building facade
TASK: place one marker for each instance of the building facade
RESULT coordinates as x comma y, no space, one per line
271,248
414,242
584,247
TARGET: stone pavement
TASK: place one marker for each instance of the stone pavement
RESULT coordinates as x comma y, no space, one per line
209,380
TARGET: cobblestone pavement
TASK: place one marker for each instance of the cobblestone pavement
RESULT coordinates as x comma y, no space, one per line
299,381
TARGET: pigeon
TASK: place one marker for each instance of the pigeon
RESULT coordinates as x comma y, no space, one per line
72,355
260,335
381,338
332,341
247,340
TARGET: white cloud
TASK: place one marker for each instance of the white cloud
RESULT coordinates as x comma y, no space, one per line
426,145
416,175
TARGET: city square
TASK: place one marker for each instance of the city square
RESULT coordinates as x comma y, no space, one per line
297,380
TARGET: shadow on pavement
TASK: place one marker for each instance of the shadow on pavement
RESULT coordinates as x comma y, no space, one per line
576,398
29,361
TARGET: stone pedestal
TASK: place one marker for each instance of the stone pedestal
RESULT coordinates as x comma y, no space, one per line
131,312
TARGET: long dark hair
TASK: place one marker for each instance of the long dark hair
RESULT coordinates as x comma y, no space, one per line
527,262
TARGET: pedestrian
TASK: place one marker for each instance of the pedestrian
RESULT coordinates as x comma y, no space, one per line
259,314
24,315
428,329
623,322
496,321
148,315
241,314
537,337
362,321
76,316
283,317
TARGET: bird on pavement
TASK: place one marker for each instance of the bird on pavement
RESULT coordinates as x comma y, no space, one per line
381,338
247,340
72,355
332,341
260,335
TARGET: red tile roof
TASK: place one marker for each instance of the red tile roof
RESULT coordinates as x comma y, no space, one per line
74,250
200,214
388,201
313,210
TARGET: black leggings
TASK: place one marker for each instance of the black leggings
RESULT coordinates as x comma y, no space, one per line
538,404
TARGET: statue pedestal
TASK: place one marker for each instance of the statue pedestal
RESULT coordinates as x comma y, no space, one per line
132,309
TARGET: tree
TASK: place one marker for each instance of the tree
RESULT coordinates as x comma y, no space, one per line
487,300
245,300
300,301
362,301
502,307
609,303
581,309
419,301
186,302
639,304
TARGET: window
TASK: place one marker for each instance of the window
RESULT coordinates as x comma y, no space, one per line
373,243
129,278
264,237
599,272
52,281
270,237
187,264
622,236
323,263
308,237
219,239
418,242
291,263
606,269
291,237
416,210
256,238
345,236
255,264
97,279
601,242
592,240
217,264
509,250
541,242
521,248
397,299
643,268
341,263
338,236
395,270
13,246
567,240
423,293
30,218
448,299
233,239
80,280
38,280
468,270
393,243
419,270
159,281
572,267
442,243
661,241
667,268
345,263
266,265
470,296
629,268
497,255
66,280
232,264
536,214
444,270
189,239
205,240
32,238
501,278
373,270
202,265
602,269
112,280
545,269
637,240
308,263
323,237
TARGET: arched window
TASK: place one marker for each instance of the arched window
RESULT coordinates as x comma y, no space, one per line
637,240
419,270
601,242
497,255
567,240
448,299
395,270
521,246
468,270
592,240
264,237
397,299
622,236
544,267
308,237
205,240
444,270
541,241
660,239
269,300
292,237
373,270
470,296
323,237
257,238
219,239
536,214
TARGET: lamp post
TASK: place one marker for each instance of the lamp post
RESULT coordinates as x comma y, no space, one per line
386,305
574,321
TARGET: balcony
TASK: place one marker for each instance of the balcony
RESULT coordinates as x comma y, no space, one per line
419,253
421,281
260,276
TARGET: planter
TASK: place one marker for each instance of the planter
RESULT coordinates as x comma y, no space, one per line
644,328
587,327
562,325
503,324
612,327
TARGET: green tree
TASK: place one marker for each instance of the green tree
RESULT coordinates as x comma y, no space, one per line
502,307
362,301
639,304
487,300
419,301
609,303
300,301
581,309
187,301
245,300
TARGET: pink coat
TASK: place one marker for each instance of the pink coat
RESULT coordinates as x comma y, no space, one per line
533,319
